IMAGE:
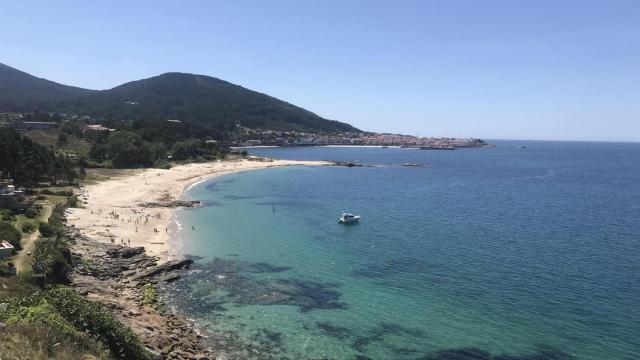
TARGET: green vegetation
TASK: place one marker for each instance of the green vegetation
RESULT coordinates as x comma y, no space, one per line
31,341
21,92
189,149
28,227
72,201
150,296
52,256
204,100
125,149
27,162
70,319
11,234
197,99
31,212
56,322
46,230
7,215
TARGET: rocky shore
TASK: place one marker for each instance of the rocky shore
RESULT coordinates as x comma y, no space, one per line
124,280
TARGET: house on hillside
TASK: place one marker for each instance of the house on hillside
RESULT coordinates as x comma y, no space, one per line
97,127
6,249
10,198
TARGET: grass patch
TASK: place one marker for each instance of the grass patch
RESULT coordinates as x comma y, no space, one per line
32,341
150,297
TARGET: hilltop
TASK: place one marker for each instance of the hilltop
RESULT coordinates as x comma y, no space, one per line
198,99
22,92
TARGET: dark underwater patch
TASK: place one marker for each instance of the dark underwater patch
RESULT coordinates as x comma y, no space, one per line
543,352
378,333
212,286
210,203
217,184
333,330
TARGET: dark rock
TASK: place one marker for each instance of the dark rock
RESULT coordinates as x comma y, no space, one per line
170,204
162,268
171,278
347,164
125,252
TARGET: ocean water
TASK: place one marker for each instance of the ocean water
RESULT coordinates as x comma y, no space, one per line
501,253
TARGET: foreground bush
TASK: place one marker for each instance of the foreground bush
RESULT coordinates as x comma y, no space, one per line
71,319
36,341
102,325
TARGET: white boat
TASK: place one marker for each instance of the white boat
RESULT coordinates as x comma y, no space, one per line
347,218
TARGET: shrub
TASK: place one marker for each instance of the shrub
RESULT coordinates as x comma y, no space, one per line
46,230
28,227
100,323
11,234
7,215
72,201
52,258
31,212
35,329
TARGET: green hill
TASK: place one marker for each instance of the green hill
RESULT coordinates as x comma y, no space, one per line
198,99
21,92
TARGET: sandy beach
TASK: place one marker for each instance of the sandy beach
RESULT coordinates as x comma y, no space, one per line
113,210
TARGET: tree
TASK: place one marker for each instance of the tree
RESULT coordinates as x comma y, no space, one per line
46,230
11,234
27,162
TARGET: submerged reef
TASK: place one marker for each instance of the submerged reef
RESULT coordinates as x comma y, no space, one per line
543,352
208,289
209,286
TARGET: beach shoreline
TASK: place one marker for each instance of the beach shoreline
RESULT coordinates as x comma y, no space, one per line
133,208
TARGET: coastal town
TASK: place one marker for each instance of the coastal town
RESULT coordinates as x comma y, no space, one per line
265,137
241,136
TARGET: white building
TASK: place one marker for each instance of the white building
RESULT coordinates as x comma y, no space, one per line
6,249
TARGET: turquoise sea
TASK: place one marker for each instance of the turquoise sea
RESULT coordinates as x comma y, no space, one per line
525,251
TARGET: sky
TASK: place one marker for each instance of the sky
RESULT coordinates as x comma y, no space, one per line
566,70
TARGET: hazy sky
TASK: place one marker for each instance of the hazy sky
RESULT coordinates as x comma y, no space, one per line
491,69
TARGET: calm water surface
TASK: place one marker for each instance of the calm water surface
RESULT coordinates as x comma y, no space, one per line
499,253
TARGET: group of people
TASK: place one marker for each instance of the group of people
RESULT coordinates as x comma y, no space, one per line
139,217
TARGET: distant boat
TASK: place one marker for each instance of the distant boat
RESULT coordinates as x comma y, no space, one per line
347,218
413,164
193,227
385,147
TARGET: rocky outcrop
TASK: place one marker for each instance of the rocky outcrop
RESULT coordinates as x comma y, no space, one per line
162,268
117,276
